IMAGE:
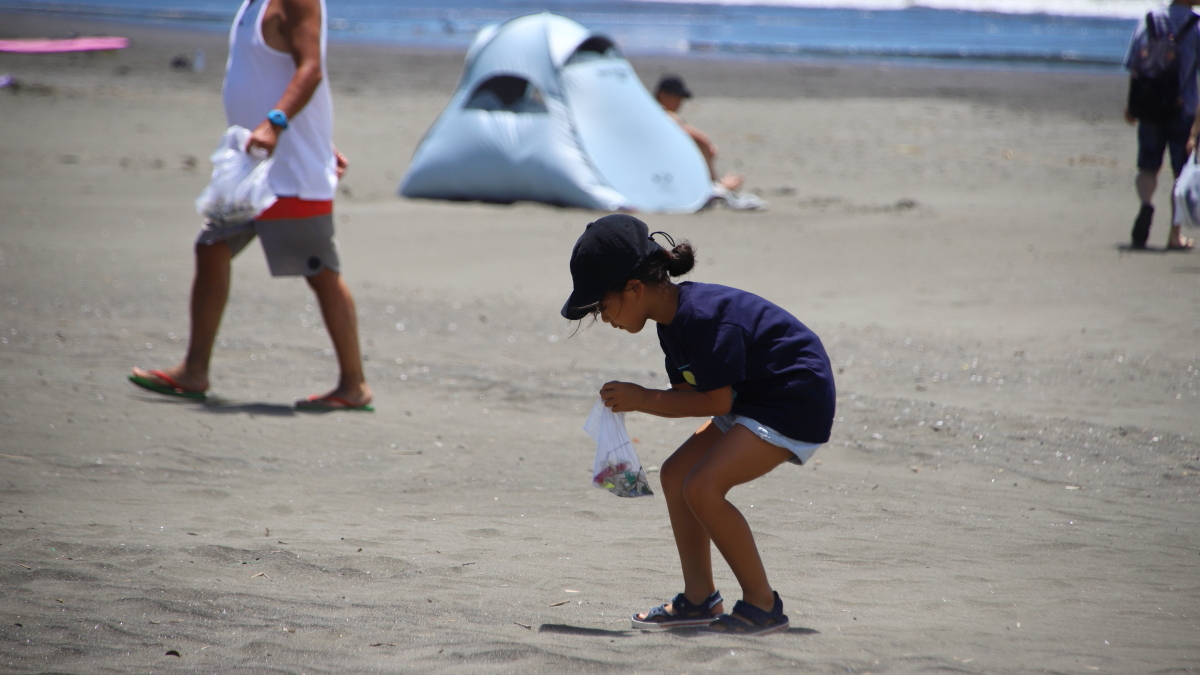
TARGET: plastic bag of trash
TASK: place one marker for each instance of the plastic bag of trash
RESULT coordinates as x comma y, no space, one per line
617,467
238,191
1187,194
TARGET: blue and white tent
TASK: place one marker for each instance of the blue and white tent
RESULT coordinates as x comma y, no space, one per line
549,111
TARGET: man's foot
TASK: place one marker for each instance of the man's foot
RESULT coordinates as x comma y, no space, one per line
1141,227
732,182
338,399
172,382
1181,244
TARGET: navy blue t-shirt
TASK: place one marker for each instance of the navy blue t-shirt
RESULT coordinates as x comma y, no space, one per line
778,368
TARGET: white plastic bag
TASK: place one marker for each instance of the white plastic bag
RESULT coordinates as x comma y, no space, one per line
238,191
1187,194
617,468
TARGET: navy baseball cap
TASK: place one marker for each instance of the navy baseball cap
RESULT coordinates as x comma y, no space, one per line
673,84
610,250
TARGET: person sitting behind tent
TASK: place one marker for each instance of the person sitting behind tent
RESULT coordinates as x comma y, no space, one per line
670,94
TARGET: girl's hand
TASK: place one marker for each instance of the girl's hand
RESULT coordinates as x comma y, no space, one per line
623,396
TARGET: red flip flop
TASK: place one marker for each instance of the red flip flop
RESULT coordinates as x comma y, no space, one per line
171,388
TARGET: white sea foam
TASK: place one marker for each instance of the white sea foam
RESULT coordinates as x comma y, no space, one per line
1117,9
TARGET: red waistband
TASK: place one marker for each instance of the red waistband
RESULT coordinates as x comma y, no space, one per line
294,207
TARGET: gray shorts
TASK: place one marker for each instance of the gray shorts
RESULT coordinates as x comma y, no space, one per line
802,451
293,246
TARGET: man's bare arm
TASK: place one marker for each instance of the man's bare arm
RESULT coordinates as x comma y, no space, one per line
292,26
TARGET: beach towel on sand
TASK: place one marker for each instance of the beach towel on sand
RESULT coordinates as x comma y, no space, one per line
52,46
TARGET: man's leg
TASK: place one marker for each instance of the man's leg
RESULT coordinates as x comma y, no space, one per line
341,320
710,158
1152,144
210,291
1146,182
730,181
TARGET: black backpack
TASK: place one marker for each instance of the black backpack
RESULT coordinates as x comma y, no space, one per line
1154,73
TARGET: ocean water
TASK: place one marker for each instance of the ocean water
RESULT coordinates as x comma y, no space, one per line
1053,34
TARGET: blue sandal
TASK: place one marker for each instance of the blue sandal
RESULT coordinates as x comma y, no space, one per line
746,619
686,614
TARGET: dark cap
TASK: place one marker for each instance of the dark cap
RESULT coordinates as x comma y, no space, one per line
673,84
610,250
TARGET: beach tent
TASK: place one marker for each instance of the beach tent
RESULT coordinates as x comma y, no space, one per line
549,111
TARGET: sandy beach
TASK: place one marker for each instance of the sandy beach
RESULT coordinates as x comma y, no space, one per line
1012,486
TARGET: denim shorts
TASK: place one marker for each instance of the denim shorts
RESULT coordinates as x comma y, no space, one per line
1156,137
802,451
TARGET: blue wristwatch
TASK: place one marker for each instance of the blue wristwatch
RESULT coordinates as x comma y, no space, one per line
278,118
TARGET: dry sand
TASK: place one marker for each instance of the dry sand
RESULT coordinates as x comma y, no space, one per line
1012,484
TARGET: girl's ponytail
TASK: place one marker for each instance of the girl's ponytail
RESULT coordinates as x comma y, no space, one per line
667,262
680,259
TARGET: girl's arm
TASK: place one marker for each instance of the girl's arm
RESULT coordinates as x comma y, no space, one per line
682,400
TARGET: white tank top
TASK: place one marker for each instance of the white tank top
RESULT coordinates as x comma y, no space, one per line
256,76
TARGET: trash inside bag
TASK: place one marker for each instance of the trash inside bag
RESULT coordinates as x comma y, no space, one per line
1187,194
238,191
617,468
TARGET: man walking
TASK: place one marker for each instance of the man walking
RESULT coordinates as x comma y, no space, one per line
1162,62
275,85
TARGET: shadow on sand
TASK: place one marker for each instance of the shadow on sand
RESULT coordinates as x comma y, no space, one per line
222,406
566,629
1127,248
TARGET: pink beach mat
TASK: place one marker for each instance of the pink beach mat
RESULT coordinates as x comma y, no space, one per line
48,46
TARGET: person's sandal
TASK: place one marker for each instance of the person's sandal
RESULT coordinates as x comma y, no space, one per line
686,614
1141,227
752,621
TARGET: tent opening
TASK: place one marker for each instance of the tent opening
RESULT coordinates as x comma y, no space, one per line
508,93
594,48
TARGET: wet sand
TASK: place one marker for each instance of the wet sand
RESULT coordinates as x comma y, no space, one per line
1012,483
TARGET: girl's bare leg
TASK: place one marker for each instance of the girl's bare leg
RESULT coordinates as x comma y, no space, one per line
731,459
695,548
